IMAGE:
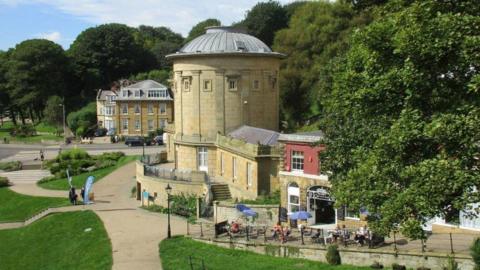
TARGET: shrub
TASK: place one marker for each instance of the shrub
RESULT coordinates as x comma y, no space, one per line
4,182
333,256
111,156
475,253
398,267
451,264
376,265
23,131
73,154
11,166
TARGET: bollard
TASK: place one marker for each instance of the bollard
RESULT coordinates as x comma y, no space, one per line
201,229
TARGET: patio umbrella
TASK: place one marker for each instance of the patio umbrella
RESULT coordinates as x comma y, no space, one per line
300,215
245,210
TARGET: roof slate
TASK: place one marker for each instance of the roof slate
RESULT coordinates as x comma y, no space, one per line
255,135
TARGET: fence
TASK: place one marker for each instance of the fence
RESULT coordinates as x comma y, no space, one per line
170,174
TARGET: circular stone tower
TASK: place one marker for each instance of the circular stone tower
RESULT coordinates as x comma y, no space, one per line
222,80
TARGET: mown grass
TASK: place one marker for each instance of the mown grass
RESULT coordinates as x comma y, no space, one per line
7,127
58,241
79,180
18,207
175,253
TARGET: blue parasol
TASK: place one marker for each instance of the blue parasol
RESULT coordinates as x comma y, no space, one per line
245,210
300,215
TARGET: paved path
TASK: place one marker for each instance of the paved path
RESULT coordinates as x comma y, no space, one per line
134,232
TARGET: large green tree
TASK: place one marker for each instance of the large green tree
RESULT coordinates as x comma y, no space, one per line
106,53
403,118
264,20
37,69
318,33
199,28
160,41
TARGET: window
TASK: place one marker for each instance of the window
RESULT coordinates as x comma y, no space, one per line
249,174
293,197
150,125
163,108
349,213
297,161
256,84
207,85
232,84
137,93
234,167
138,125
202,158
125,93
111,98
150,108
125,123
186,85
101,111
162,123
157,93
109,110
124,108
222,169
137,108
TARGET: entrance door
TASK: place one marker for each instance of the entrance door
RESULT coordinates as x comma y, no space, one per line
203,159
320,205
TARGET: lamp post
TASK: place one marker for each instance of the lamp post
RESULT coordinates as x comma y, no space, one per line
64,126
168,189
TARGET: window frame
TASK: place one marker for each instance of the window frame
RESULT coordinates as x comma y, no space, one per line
209,87
150,108
235,84
125,108
137,106
162,108
297,160
125,123
139,122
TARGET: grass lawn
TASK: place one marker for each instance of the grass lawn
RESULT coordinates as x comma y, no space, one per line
7,126
174,254
58,241
18,207
79,180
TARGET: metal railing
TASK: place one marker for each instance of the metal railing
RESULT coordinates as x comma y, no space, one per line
170,174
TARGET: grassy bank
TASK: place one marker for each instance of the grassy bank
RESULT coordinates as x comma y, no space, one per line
79,180
175,254
58,241
48,134
18,207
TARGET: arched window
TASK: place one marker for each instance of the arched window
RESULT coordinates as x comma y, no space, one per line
293,197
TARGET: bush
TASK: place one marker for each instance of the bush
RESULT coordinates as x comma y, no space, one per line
73,154
475,253
80,121
398,267
376,265
11,166
115,156
333,256
4,182
23,131
451,264
272,198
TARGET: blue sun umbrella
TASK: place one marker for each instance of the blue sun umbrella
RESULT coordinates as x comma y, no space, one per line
245,210
300,215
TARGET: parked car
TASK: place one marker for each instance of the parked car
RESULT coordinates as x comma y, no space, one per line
158,140
111,132
134,141
86,140
100,132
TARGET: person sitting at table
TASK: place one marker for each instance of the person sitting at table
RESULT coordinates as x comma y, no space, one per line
336,233
276,230
316,235
234,227
361,235
285,233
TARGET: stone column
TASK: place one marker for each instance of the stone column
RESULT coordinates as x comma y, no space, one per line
219,92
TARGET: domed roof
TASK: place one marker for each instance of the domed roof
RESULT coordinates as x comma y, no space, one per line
225,40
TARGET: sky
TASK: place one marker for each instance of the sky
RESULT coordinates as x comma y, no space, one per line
62,20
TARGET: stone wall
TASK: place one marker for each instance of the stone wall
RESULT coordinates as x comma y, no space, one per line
267,214
349,256
156,186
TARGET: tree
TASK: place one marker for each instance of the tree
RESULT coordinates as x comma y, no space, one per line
160,41
318,33
264,20
403,117
52,113
199,28
82,120
159,75
106,53
37,69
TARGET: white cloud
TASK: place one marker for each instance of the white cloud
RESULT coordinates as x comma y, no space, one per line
179,15
52,36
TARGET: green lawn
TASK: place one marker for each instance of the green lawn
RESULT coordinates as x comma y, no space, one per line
58,241
18,207
7,126
79,180
175,254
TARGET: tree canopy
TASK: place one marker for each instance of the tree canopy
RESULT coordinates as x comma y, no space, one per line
160,41
318,33
403,117
199,28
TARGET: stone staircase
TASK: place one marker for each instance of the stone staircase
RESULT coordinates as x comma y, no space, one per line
220,192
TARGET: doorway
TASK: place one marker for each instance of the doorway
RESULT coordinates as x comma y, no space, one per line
203,158
320,205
